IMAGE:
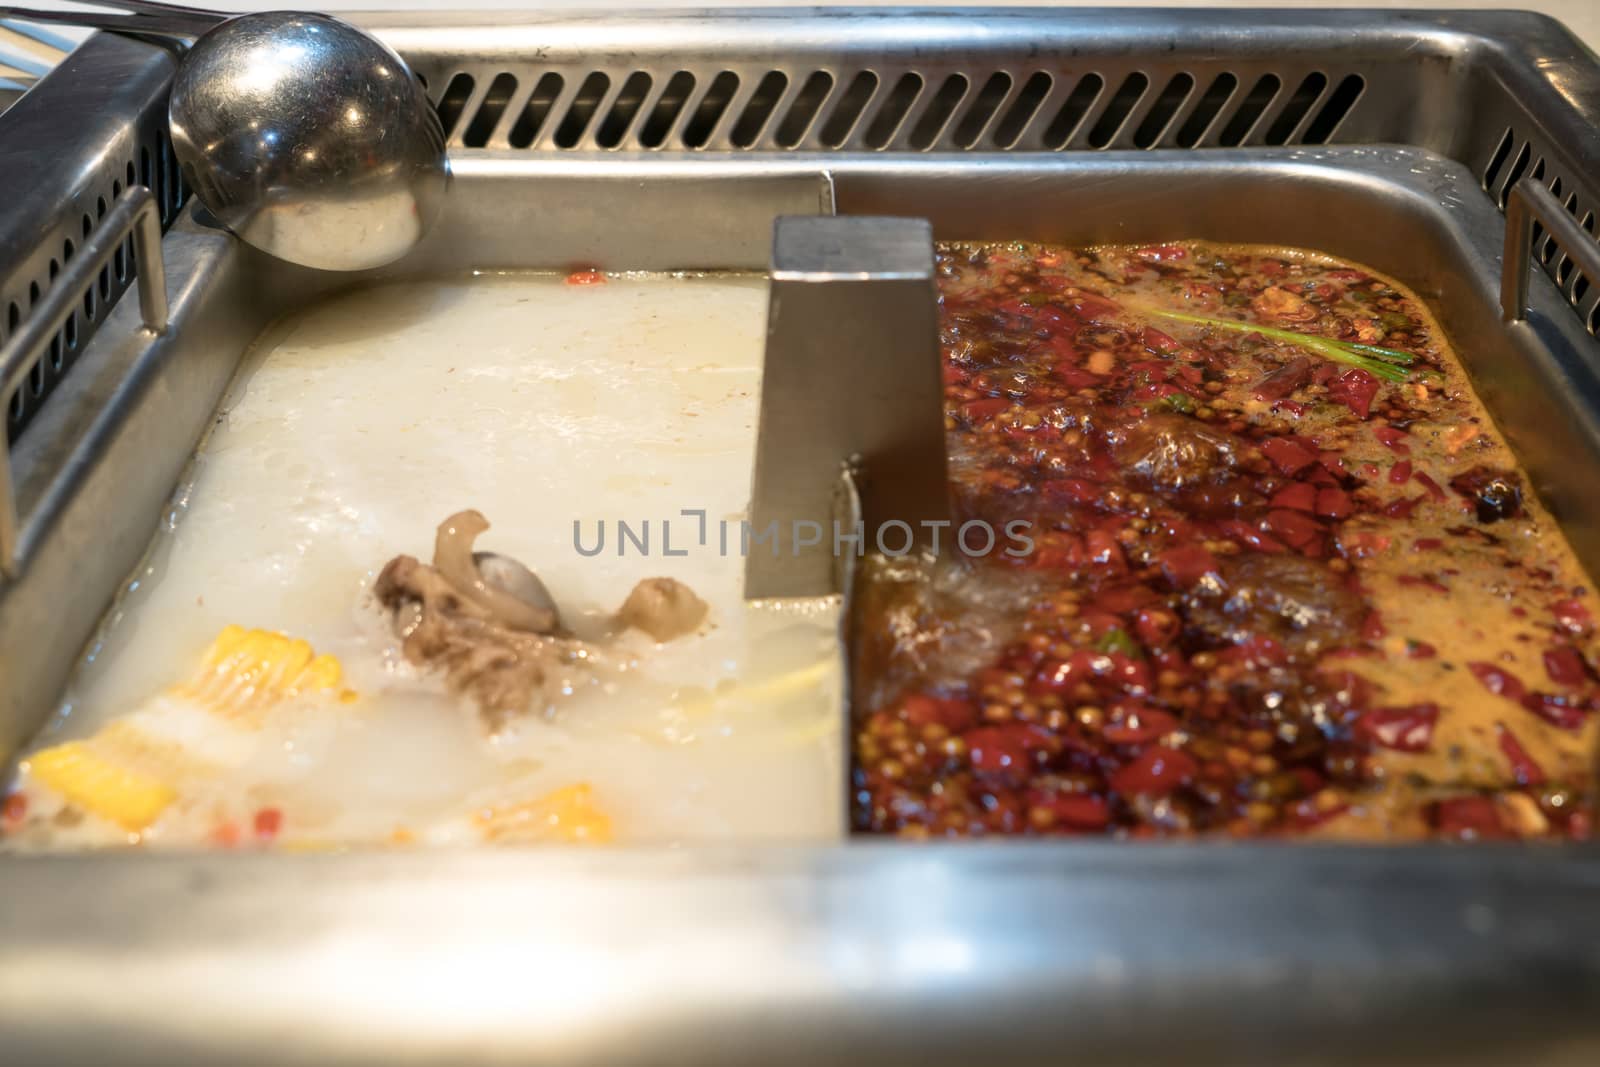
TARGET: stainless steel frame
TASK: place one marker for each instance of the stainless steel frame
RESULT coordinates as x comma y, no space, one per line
872,952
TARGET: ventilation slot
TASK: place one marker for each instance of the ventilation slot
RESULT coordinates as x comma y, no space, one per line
629,100
1022,109
848,110
487,116
1065,125
1116,113
1298,107
813,94
982,109
769,90
1571,285
1544,250
454,100
1170,99
168,193
584,105
1212,101
1498,160
703,121
1254,105
18,409
1339,104
901,98
1515,173
668,106
1564,264
536,112
938,112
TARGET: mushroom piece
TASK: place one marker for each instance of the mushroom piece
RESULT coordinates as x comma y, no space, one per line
664,608
489,625
506,604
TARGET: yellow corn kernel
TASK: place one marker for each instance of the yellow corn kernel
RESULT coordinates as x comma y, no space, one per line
251,670
101,786
567,815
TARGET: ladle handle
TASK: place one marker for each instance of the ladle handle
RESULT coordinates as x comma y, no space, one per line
190,23
150,7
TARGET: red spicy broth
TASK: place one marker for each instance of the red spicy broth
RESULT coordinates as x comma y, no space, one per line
1285,576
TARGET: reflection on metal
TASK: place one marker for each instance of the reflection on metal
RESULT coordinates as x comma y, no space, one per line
851,375
136,214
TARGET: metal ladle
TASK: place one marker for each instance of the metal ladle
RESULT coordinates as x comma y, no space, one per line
305,136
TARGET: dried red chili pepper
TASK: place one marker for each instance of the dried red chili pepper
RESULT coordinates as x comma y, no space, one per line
1468,817
1355,389
922,710
1156,771
1298,496
1285,380
1187,564
1004,751
1334,503
1498,680
1565,666
1290,457
1573,617
1157,341
1565,712
1132,723
1392,439
1077,811
1407,729
1429,484
985,409
1523,767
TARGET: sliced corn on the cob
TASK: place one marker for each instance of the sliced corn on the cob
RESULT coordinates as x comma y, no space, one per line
136,767
567,815
95,782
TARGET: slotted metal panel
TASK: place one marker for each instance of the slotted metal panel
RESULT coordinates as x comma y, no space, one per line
1522,154
891,106
97,140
